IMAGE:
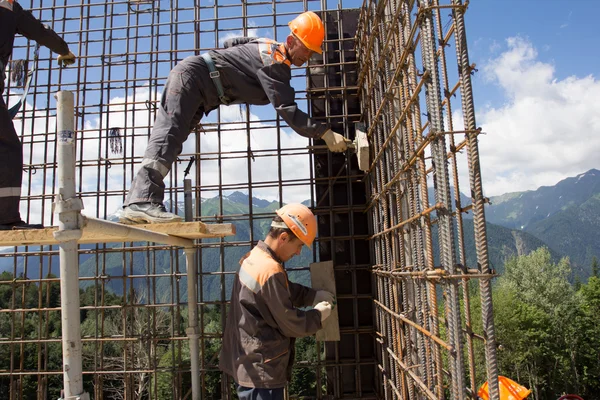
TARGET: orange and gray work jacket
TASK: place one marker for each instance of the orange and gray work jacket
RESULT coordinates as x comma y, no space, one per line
258,71
263,322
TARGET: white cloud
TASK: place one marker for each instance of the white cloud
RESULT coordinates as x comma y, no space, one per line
494,47
263,144
253,32
547,130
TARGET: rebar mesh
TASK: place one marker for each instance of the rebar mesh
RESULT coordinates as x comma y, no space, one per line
423,307
401,338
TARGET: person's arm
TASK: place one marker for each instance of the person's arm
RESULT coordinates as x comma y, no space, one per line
302,296
291,321
275,80
33,29
235,41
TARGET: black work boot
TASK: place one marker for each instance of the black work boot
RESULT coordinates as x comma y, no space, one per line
19,225
147,213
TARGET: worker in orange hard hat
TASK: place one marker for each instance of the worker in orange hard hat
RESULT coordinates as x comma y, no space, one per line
264,318
248,70
308,28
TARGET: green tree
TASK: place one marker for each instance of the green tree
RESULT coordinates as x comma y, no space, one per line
304,374
595,267
21,293
537,313
586,357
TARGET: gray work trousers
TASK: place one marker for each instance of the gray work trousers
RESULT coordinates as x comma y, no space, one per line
182,105
247,393
11,166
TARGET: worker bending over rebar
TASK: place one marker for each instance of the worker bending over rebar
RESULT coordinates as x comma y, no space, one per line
13,20
264,319
248,70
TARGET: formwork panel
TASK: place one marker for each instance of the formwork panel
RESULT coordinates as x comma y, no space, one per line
341,199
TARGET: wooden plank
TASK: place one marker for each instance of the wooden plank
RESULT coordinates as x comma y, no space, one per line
187,230
323,278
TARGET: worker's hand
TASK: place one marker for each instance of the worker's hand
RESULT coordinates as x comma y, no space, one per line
67,60
335,142
324,295
325,309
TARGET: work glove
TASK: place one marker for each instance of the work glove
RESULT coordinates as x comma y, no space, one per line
324,295
67,60
335,142
325,309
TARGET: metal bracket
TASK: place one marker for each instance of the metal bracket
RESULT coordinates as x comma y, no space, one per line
69,234
73,204
60,207
192,332
82,396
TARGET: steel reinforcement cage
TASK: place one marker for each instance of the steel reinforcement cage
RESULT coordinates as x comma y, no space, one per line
411,324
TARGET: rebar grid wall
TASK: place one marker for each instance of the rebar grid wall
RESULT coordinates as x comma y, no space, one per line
395,339
247,163
415,84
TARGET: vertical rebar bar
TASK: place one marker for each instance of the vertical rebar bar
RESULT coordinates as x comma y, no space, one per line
477,199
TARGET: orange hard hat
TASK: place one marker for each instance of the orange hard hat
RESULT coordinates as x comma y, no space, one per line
301,221
309,28
509,390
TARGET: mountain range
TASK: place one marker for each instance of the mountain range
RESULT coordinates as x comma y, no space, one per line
564,217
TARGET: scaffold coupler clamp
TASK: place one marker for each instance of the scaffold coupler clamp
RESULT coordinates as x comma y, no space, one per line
67,210
82,396
192,332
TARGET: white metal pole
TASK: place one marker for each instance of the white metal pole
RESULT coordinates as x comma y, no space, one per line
192,330
191,257
68,208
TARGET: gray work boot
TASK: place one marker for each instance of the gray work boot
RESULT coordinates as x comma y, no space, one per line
147,213
19,225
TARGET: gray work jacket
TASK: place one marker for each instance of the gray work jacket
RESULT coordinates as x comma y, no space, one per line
257,71
263,322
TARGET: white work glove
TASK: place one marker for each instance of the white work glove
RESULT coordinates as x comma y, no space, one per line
335,142
324,295
67,60
325,310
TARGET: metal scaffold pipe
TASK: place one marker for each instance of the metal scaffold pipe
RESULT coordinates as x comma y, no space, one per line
192,329
192,294
68,208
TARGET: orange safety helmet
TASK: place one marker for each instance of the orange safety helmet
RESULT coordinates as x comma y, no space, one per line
301,221
509,390
309,28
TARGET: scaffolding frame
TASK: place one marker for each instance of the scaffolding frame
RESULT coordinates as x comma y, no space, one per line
404,300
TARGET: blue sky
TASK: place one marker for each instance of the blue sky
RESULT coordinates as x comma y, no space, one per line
537,90
564,32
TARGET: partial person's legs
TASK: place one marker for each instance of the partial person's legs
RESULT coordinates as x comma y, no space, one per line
180,110
11,173
247,393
